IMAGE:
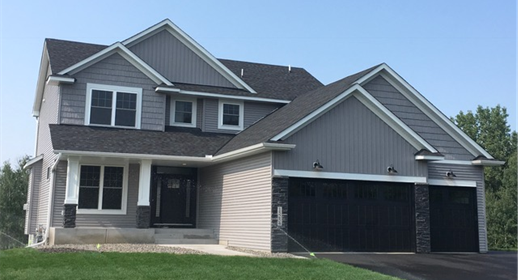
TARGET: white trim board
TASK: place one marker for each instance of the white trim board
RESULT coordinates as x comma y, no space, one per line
349,176
126,54
218,95
193,46
452,183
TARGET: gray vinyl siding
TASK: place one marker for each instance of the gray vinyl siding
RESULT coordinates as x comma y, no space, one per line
176,62
350,139
398,104
122,221
48,115
253,111
235,199
59,194
114,71
470,173
31,215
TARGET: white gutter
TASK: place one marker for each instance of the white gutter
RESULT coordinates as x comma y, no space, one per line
218,95
251,150
487,162
51,198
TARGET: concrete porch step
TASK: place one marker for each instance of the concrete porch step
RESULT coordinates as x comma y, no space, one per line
184,236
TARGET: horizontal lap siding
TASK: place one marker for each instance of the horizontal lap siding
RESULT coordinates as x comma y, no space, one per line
33,198
176,62
470,173
122,221
350,139
59,194
114,71
235,200
398,104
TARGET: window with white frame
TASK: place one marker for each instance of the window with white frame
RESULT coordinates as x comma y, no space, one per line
183,112
102,188
113,106
230,115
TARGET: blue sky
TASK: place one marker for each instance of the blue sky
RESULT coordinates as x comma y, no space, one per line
458,54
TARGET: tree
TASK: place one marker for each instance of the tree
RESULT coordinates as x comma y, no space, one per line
13,194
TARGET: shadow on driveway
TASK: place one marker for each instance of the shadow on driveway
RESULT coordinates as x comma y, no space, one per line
493,265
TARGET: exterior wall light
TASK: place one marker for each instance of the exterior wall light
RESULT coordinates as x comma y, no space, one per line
317,166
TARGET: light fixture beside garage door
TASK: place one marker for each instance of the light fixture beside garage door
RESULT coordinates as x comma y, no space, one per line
317,166
391,170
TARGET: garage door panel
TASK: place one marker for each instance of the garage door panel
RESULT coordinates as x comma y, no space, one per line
350,216
453,219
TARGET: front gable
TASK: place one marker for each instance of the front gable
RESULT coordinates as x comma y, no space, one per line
350,138
178,63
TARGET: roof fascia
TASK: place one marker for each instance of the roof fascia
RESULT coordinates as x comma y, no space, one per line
193,46
252,150
485,162
132,156
124,52
429,157
56,80
32,161
40,86
431,111
218,95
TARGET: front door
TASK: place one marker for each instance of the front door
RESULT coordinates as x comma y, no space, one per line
173,200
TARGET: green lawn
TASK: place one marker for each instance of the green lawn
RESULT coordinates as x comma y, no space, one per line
33,264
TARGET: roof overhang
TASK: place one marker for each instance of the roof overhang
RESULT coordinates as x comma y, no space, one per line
122,50
200,161
193,46
428,157
57,80
487,162
32,161
171,90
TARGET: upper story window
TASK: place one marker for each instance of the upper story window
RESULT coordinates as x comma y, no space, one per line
230,115
113,106
183,112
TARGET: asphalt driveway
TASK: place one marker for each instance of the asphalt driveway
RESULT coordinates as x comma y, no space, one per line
493,265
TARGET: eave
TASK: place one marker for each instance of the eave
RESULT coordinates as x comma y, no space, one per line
170,90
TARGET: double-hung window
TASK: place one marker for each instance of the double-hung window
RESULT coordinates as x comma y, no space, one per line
183,112
113,106
102,189
230,115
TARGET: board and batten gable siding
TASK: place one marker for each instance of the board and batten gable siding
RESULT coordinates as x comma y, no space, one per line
350,139
469,173
405,110
171,58
99,220
253,111
235,199
114,71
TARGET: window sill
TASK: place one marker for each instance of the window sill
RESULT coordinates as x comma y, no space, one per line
183,124
230,127
112,126
100,212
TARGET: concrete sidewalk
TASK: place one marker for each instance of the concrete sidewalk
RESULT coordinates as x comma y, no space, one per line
212,249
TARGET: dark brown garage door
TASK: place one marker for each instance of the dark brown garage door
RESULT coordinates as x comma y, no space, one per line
341,216
453,219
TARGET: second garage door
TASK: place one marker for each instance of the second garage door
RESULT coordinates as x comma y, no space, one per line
358,216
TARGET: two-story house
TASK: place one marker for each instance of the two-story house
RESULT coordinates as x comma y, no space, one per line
154,134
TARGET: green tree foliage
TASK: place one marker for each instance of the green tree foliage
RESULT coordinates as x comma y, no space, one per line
489,128
13,194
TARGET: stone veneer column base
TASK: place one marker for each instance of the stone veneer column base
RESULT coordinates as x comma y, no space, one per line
143,216
69,220
422,218
279,198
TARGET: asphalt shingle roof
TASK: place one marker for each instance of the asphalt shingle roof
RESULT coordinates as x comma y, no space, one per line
284,117
269,81
173,142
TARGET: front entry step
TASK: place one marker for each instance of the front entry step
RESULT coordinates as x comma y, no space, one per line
184,236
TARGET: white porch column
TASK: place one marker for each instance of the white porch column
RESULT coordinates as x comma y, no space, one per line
144,182
72,186
143,208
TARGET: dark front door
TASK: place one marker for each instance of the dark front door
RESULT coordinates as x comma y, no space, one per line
173,200
340,216
453,219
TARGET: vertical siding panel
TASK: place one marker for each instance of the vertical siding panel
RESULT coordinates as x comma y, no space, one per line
471,173
367,145
235,200
122,221
176,62
115,71
396,102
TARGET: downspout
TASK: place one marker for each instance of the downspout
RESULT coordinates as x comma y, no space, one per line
51,199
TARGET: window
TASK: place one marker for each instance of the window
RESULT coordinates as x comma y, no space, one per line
113,106
230,115
102,188
183,113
